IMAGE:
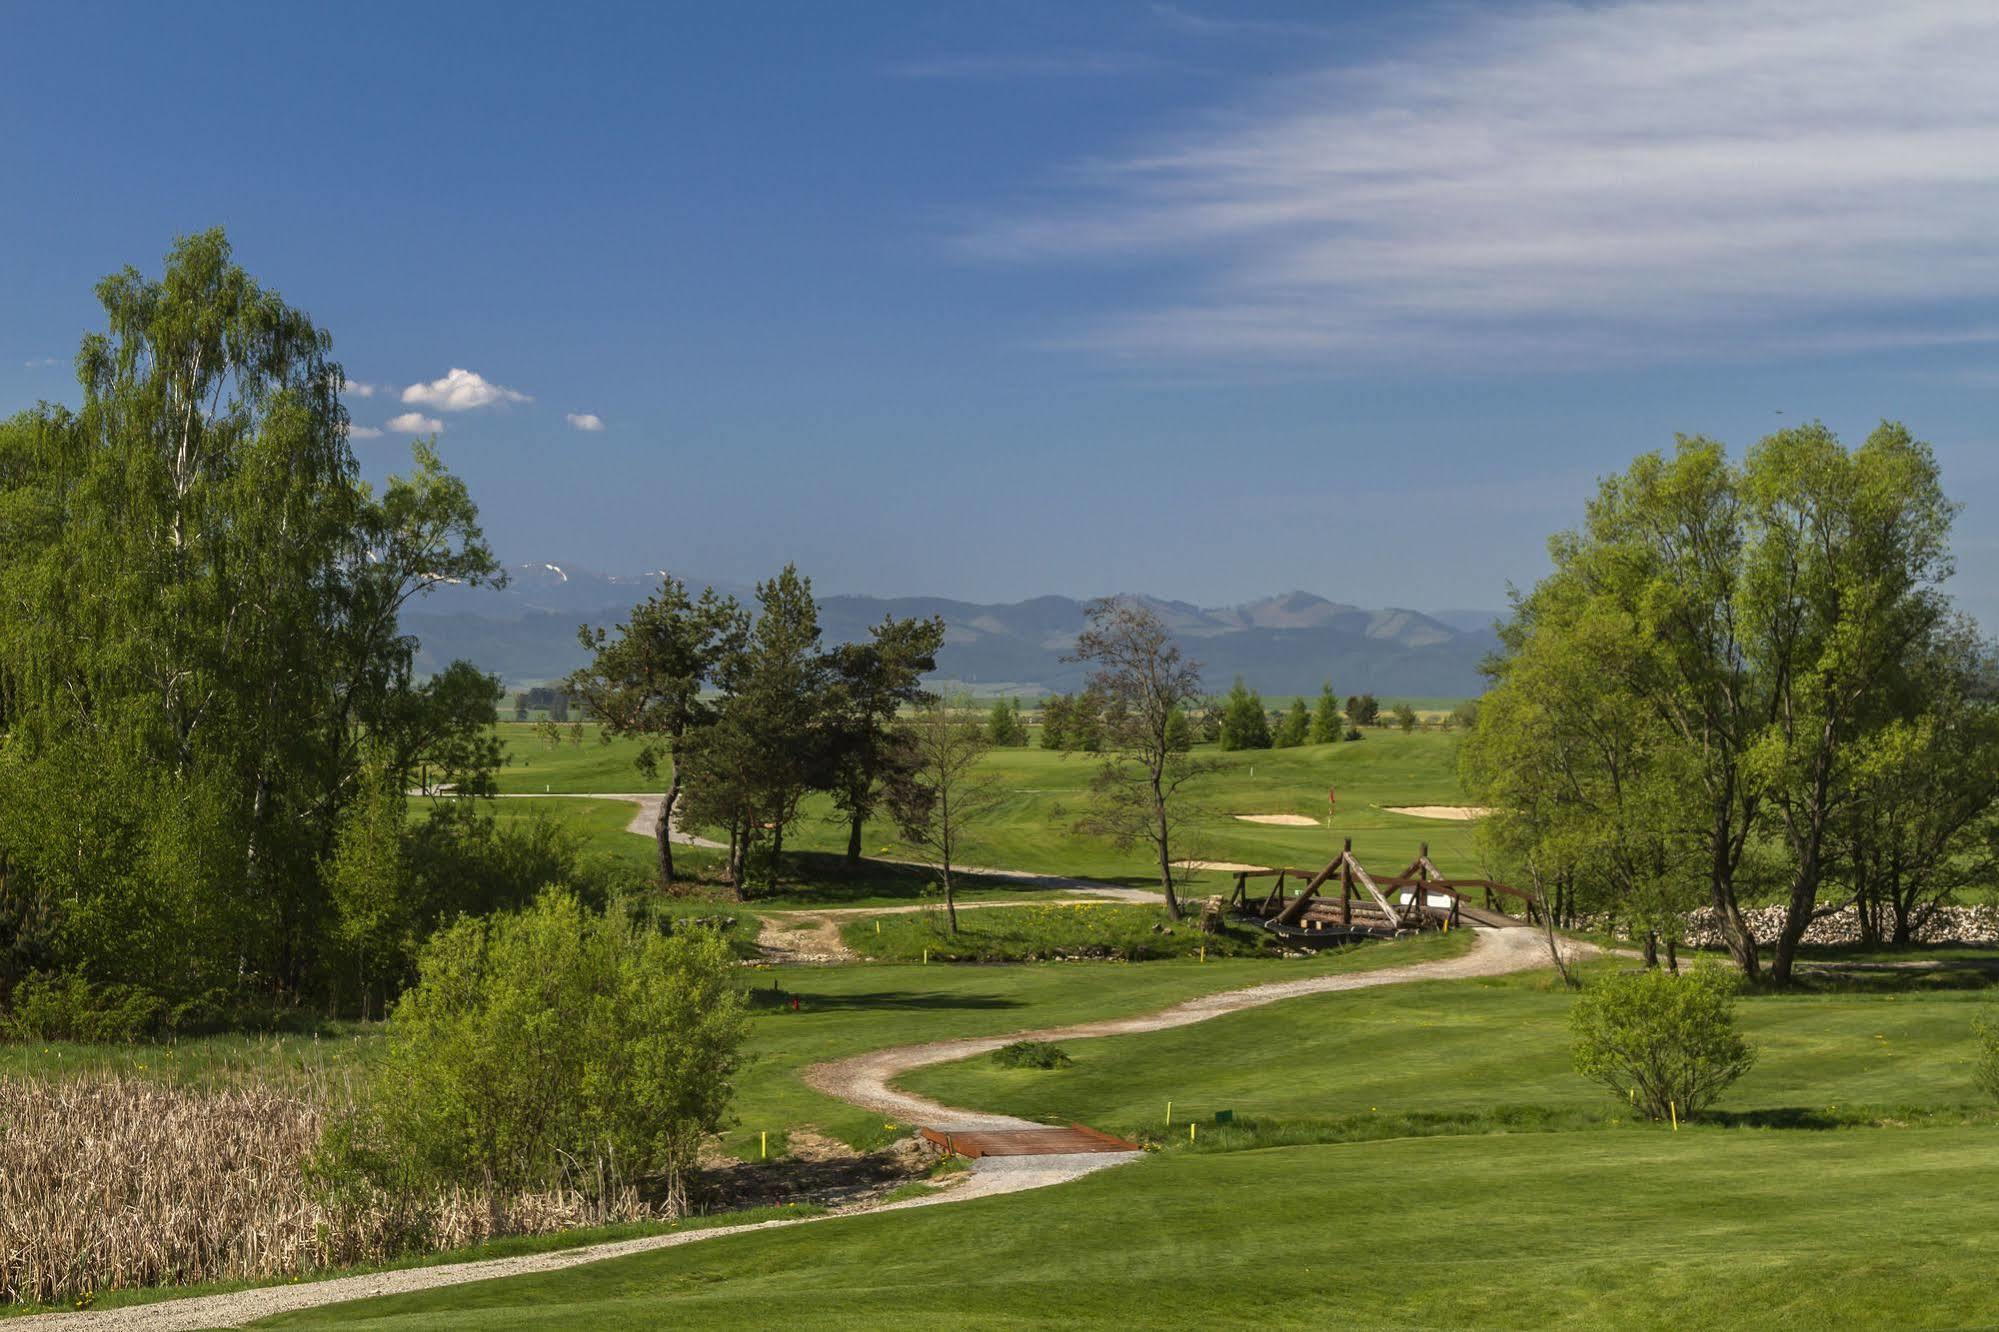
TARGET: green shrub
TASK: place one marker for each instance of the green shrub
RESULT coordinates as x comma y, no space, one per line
1031,1054
69,1008
550,1047
1665,1043
1985,1069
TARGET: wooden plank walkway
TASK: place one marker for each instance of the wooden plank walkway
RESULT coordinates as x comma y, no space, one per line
1050,1141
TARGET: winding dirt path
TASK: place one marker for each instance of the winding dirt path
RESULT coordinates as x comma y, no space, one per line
644,820
864,1080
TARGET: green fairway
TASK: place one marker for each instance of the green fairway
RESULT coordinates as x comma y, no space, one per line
1034,827
851,1010
1638,1228
1458,1052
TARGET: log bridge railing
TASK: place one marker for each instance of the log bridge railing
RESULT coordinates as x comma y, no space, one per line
1422,877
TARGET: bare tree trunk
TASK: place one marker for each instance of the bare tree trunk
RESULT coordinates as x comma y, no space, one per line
854,842
663,830
1734,929
950,896
1159,838
776,855
1797,914
1672,957
1548,927
733,869
1651,950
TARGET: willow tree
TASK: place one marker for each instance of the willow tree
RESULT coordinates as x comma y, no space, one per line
1757,614
198,633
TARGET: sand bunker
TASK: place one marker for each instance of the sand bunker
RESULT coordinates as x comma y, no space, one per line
1226,866
1281,820
1462,813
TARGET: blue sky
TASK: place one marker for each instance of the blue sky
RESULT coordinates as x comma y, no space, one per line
1208,301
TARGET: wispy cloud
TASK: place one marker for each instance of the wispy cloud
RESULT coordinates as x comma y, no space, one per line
1571,183
1077,64
585,420
416,423
460,391
1207,25
350,388
39,363
367,432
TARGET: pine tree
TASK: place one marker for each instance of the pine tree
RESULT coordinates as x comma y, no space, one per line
1297,725
1326,716
1244,725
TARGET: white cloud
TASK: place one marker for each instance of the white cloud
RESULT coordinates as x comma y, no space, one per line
39,363
459,391
350,388
416,423
1567,183
586,420
366,432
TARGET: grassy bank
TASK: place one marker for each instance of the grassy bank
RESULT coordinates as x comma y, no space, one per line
1642,1229
1492,1054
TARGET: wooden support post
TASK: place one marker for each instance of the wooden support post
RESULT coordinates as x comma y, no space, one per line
1297,907
1346,883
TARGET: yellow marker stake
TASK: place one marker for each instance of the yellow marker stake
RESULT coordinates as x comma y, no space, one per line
763,1145
926,957
1169,1114
1674,1110
878,927
1191,1127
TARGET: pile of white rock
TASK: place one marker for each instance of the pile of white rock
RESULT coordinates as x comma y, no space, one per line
1948,925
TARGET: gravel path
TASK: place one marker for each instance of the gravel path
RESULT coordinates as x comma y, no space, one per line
863,1081
237,1308
644,821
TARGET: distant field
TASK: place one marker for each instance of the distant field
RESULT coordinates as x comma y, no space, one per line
1034,828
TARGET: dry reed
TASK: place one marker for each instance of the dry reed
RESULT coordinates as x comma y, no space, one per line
110,1181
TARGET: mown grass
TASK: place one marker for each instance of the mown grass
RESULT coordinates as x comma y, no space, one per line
1645,1229
851,1010
1490,1055
1034,827
1105,931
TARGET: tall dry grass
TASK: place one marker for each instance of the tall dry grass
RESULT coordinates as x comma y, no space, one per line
108,1180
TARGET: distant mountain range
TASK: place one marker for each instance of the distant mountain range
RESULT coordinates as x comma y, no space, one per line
1285,644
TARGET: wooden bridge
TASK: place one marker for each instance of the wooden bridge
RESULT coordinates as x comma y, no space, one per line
1423,897
1049,1141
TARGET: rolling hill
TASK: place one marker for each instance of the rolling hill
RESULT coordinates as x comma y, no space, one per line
1283,644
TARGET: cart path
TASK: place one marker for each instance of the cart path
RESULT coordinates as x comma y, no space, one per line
866,1080
863,1080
